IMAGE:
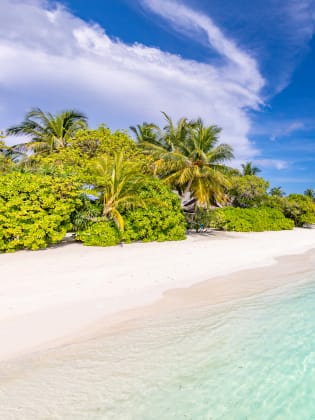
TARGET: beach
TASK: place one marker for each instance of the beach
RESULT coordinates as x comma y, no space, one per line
57,295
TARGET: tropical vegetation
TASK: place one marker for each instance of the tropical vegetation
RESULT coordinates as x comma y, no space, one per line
106,187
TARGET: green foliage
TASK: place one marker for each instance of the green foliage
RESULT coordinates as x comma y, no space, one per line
6,165
86,214
82,153
200,219
119,181
277,192
93,143
248,191
249,169
300,209
100,233
275,202
35,210
6,161
161,220
310,193
48,132
188,158
249,220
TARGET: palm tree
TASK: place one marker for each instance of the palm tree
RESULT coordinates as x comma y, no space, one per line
249,169
197,166
48,132
145,133
277,192
119,182
310,193
188,159
155,140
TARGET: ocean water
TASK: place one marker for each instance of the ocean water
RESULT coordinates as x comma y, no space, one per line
250,359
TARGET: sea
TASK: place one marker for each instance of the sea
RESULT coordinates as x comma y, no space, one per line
250,358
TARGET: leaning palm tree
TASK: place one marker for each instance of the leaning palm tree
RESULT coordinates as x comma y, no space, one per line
48,132
249,169
118,181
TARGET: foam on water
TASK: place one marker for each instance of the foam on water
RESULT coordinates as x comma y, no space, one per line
251,359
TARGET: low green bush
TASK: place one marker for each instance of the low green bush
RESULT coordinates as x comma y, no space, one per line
300,209
100,233
161,220
249,220
35,210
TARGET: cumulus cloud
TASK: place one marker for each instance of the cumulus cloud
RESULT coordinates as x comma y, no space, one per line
52,59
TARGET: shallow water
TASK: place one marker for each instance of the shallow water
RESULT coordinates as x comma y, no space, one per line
250,359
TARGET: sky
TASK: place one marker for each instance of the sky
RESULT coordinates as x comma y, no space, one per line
247,66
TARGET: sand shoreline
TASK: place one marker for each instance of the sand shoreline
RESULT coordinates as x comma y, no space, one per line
58,295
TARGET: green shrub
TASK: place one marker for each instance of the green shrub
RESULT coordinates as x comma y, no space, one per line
249,220
100,234
78,158
161,220
35,210
300,209
248,191
86,214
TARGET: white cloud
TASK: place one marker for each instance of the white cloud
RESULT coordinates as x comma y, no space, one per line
271,163
240,68
52,59
286,130
278,164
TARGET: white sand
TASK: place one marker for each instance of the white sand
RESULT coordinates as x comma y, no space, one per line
47,296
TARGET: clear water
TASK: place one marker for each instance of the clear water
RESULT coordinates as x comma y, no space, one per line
252,359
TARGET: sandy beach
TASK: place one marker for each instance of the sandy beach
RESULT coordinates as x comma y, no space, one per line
48,297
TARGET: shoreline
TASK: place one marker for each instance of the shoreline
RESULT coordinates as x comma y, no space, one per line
65,294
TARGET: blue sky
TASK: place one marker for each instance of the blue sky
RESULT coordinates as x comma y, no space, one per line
247,66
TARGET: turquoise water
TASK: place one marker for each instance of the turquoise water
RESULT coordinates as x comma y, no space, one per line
252,359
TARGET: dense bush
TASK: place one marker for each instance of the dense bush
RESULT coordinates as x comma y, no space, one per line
35,210
247,220
248,191
161,220
6,164
86,214
200,219
100,233
300,209
78,158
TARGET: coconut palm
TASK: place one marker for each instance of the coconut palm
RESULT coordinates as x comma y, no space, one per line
310,193
118,181
194,162
156,141
277,192
249,169
145,133
197,166
48,132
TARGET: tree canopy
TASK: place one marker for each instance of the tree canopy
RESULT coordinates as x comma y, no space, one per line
48,132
